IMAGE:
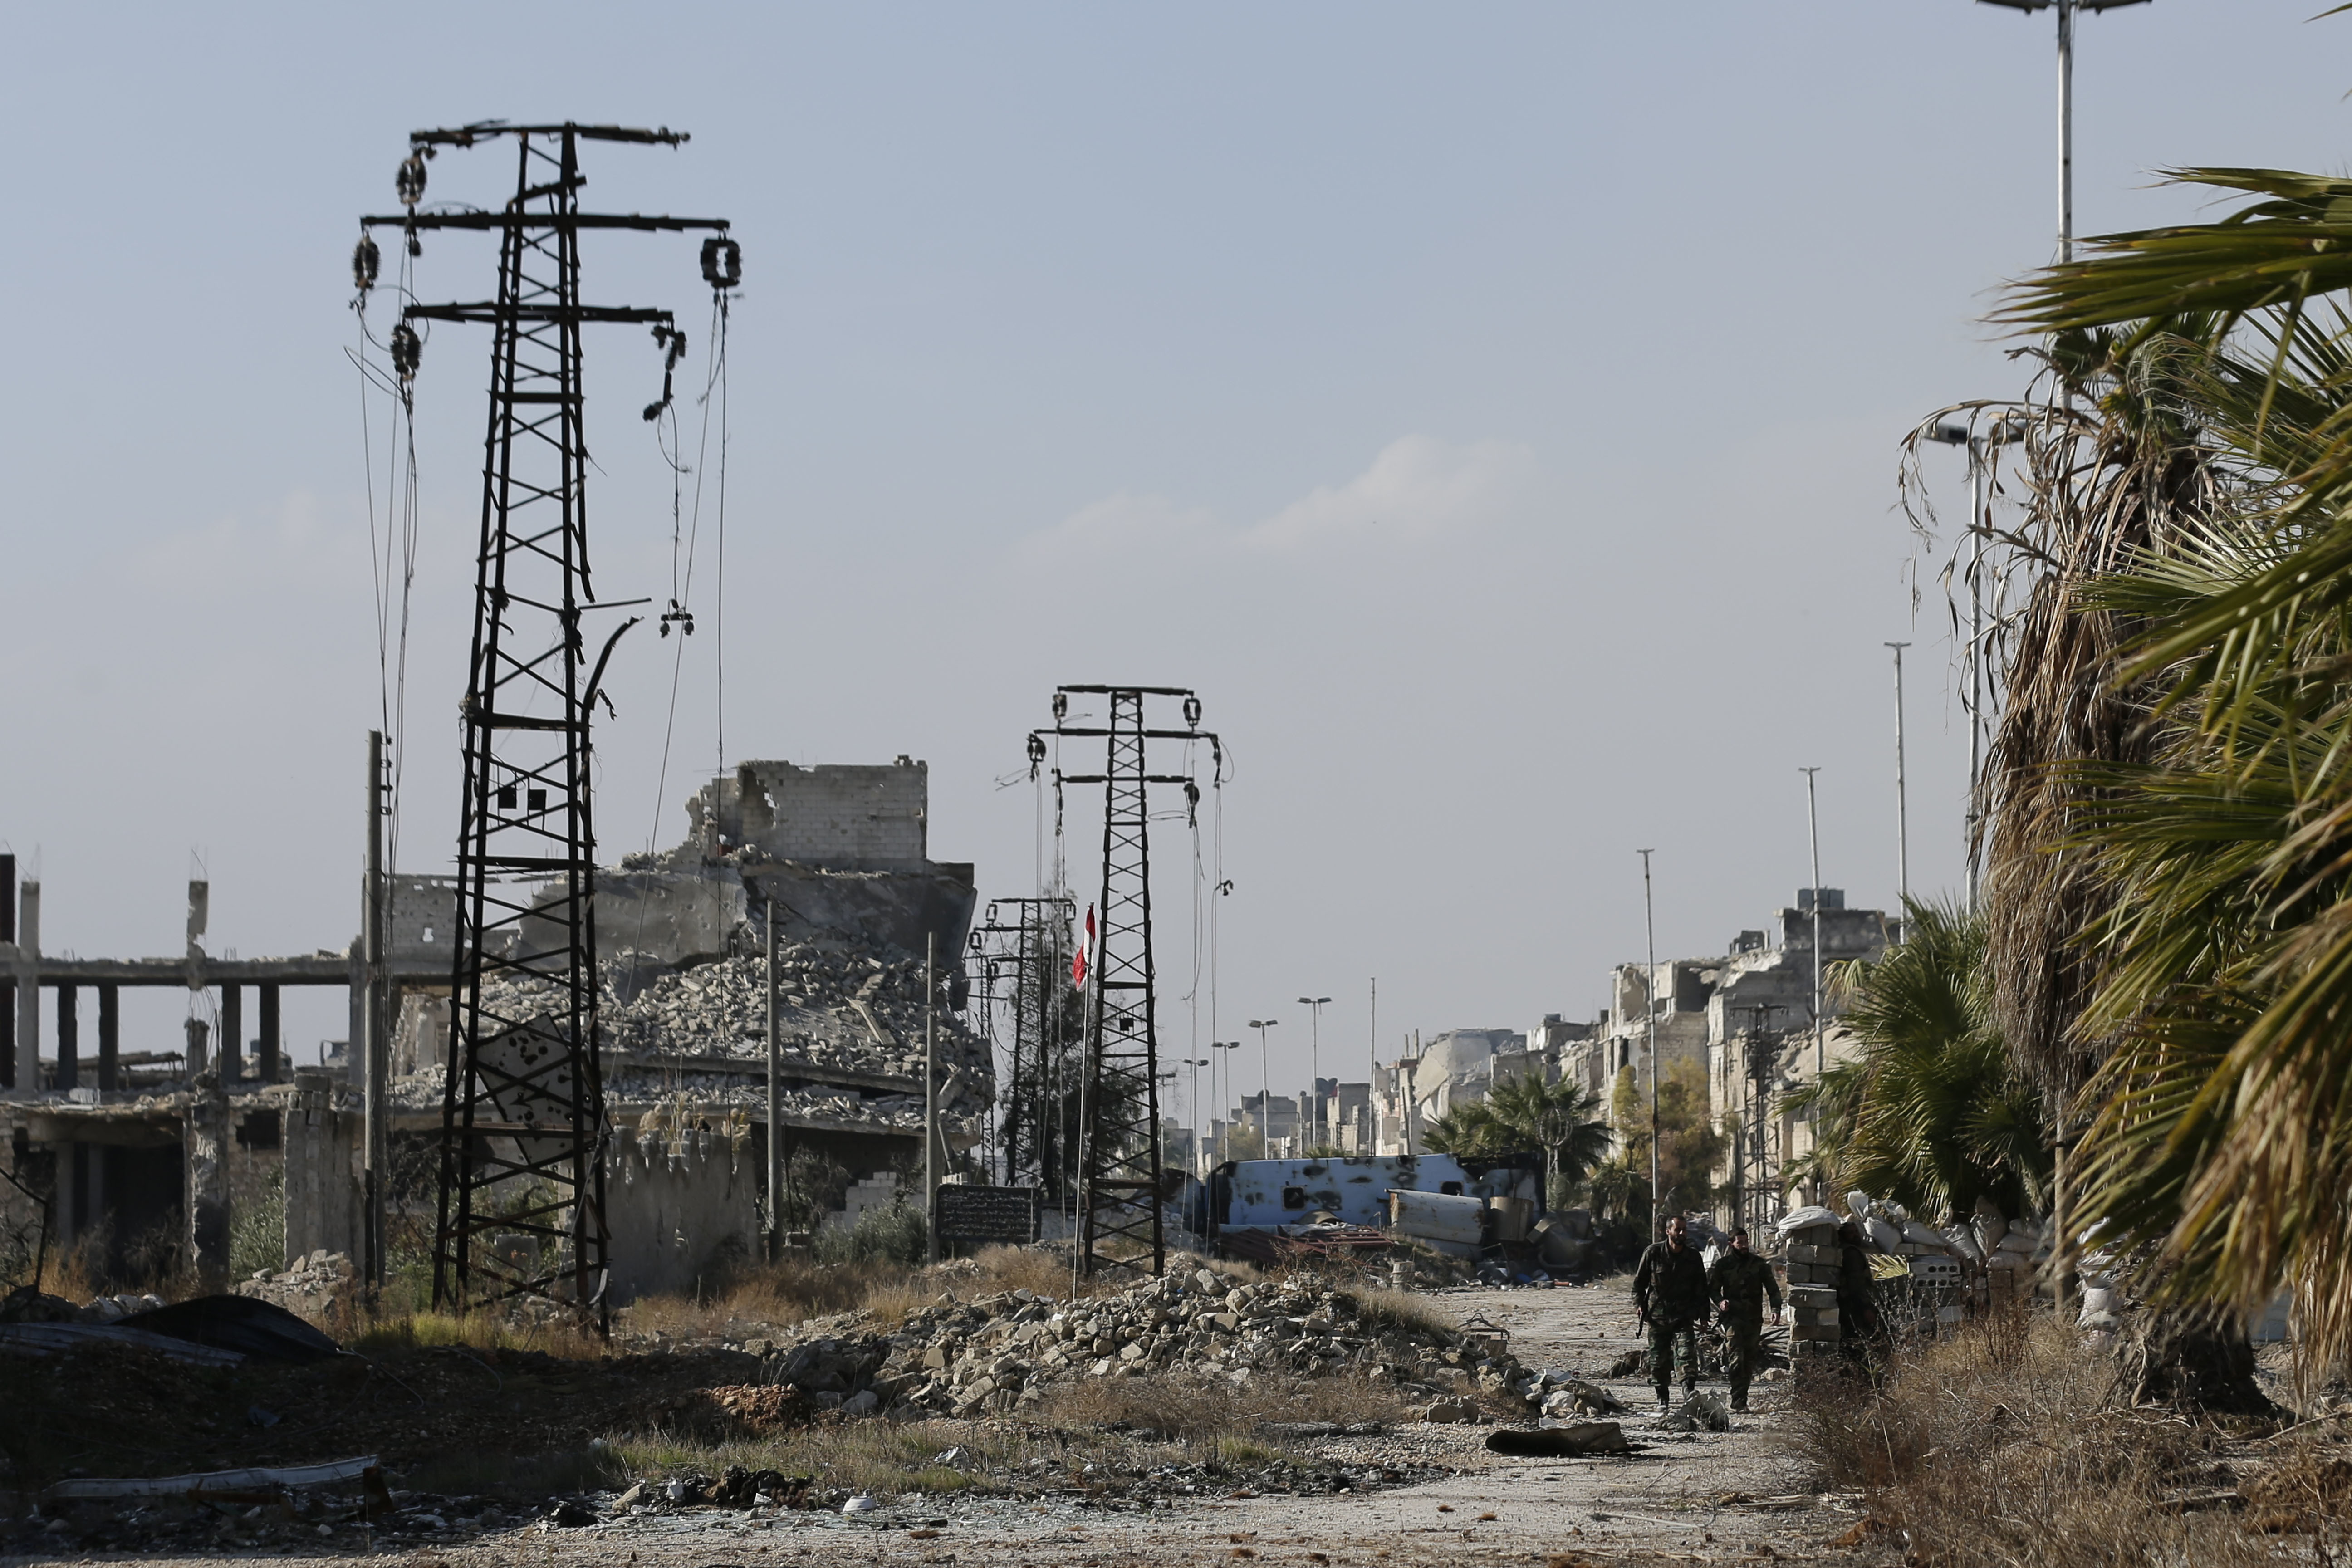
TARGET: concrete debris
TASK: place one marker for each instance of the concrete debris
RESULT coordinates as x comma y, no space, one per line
317,1288
1703,1411
1000,1354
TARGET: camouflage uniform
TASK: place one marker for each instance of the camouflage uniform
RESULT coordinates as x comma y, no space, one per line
1738,1284
1670,1292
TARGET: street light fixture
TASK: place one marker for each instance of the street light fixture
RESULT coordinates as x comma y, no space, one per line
2066,9
1314,1058
1265,1089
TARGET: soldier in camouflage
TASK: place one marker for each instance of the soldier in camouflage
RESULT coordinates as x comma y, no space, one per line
1670,1294
1737,1285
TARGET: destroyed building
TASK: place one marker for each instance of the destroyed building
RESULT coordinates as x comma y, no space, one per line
174,1142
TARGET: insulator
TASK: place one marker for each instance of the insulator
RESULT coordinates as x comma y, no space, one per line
1037,747
723,262
409,183
365,260
1192,712
415,244
1061,706
407,350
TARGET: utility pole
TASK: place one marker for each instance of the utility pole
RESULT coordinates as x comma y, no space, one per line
374,1048
1650,1008
1119,1164
1902,810
775,1095
931,1172
523,1100
1372,1083
1813,829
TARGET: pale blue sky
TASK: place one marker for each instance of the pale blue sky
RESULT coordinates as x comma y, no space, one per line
1492,410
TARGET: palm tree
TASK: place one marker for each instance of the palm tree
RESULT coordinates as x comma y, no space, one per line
1526,1113
2219,854
1930,1112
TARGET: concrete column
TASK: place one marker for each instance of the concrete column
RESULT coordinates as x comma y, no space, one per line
28,991
207,1184
69,1038
321,1198
272,1062
198,1054
231,1054
109,1039
8,976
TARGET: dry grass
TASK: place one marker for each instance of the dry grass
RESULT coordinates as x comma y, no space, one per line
479,1330
1205,1409
2007,1446
888,1459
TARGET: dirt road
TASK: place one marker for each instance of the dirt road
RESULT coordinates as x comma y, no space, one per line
1702,1496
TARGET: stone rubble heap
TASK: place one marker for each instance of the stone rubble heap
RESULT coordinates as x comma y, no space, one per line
845,1006
317,1288
1002,1353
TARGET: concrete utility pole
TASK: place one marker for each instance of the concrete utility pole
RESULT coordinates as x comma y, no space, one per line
1650,1008
1902,811
931,1172
775,1121
1814,828
376,1048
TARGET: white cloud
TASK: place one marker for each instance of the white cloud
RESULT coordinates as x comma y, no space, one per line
1417,488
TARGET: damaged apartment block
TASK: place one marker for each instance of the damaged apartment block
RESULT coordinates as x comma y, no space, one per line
148,1153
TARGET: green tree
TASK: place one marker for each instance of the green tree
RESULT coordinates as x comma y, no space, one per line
1523,1114
1930,1110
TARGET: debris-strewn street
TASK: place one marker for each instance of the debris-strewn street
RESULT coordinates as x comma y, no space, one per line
1047,1487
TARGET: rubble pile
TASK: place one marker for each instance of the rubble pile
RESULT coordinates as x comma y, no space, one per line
846,1008
317,1288
1000,1354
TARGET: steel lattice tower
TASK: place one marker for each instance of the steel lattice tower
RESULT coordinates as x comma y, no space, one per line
524,1131
1120,1162
1030,953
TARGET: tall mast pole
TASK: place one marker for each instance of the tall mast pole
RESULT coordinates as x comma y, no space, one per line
1902,808
1813,830
1650,1008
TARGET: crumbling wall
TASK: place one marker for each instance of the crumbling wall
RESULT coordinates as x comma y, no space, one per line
321,1137
682,1206
848,817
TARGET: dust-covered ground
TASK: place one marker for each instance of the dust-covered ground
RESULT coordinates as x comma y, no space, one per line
1701,1496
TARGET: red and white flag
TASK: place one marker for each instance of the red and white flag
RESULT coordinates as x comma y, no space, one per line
1086,946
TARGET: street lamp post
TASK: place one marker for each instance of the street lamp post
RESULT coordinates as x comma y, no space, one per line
1813,831
2066,9
1217,1050
1902,811
1314,1058
1265,1089
1196,1064
1650,1011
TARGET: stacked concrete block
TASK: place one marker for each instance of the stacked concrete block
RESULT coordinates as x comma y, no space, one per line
1814,1328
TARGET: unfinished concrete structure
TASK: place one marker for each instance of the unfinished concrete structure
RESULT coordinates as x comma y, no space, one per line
148,1154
